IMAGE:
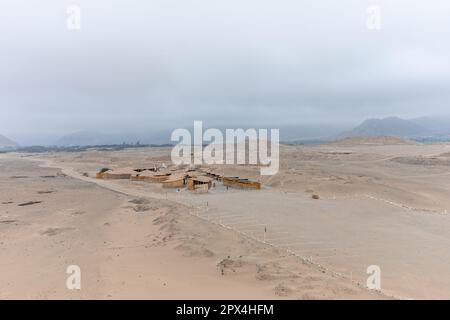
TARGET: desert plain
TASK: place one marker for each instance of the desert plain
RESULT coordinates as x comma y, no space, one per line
311,232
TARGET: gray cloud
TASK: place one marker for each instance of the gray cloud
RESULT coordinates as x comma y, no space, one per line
150,65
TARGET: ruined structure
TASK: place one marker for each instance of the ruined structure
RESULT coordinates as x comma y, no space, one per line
106,173
202,183
176,181
150,176
236,182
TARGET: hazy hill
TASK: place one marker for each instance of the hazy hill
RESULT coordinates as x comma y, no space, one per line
392,126
437,125
7,143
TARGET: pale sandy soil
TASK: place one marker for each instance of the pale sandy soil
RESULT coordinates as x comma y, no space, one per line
149,248
384,205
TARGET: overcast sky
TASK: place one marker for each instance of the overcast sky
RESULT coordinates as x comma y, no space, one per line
146,65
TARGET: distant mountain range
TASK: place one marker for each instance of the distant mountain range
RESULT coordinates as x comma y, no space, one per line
392,126
6,143
419,128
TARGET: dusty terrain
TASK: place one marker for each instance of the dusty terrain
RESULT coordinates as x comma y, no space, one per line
379,204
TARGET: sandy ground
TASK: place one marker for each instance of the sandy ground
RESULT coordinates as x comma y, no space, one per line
132,243
380,204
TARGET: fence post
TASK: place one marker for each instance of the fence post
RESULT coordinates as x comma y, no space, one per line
265,231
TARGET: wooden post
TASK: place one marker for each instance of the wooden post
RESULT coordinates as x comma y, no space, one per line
265,231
